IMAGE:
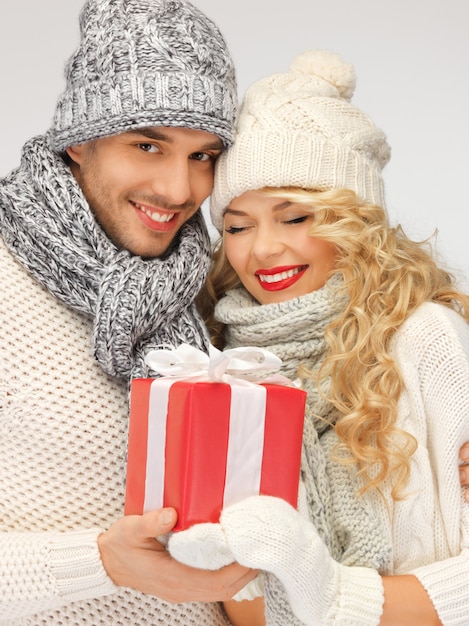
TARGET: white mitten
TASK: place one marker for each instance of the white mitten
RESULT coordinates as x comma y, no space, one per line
204,546
269,534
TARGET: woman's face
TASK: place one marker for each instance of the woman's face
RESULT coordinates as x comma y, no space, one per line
267,244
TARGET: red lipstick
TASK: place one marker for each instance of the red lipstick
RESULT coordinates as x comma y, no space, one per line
278,278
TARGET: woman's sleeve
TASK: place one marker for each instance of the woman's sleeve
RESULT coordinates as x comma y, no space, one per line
445,389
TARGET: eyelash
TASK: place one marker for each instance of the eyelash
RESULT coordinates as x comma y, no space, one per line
233,230
297,220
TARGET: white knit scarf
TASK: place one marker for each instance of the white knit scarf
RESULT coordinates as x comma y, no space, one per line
135,304
294,331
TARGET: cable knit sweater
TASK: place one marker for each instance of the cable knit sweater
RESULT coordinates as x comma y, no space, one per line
63,439
429,530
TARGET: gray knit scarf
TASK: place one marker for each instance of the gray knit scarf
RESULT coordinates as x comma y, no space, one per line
294,331
135,304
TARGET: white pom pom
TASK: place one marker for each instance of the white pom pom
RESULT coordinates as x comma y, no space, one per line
329,67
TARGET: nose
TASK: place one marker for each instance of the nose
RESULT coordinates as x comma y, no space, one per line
172,181
266,244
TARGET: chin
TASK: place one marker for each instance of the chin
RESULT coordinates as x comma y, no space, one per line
148,250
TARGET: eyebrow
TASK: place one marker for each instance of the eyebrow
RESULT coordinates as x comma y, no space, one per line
159,135
278,207
230,211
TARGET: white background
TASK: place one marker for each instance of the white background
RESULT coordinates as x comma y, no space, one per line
411,59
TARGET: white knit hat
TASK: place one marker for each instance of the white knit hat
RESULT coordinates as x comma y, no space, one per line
300,129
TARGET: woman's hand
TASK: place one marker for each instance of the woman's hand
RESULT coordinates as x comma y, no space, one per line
268,534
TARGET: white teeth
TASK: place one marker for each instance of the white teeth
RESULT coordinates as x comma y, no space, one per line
155,215
275,278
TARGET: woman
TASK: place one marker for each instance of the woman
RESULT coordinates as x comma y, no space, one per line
308,257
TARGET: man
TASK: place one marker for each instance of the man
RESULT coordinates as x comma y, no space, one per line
102,252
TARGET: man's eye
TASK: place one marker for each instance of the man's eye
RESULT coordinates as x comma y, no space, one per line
202,156
147,147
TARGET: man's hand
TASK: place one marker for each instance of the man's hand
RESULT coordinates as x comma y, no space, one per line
133,557
464,468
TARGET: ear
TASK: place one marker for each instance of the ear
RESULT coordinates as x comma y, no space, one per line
75,153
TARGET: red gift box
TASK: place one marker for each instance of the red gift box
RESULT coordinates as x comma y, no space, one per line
201,446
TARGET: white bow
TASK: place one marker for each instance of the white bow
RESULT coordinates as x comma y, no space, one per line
187,361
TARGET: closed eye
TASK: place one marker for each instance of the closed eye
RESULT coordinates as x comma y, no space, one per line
233,230
297,220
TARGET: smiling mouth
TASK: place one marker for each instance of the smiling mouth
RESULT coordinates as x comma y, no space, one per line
156,216
281,276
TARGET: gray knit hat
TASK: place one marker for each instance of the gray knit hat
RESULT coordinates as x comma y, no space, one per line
300,129
145,63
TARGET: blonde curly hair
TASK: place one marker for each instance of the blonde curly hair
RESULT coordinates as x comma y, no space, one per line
386,276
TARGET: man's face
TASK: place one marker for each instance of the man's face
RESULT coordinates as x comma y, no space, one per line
143,185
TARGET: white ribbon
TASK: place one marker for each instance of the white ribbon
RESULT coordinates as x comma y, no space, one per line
156,443
245,363
245,443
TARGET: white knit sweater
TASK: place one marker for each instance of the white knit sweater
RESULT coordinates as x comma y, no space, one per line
429,530
63,430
